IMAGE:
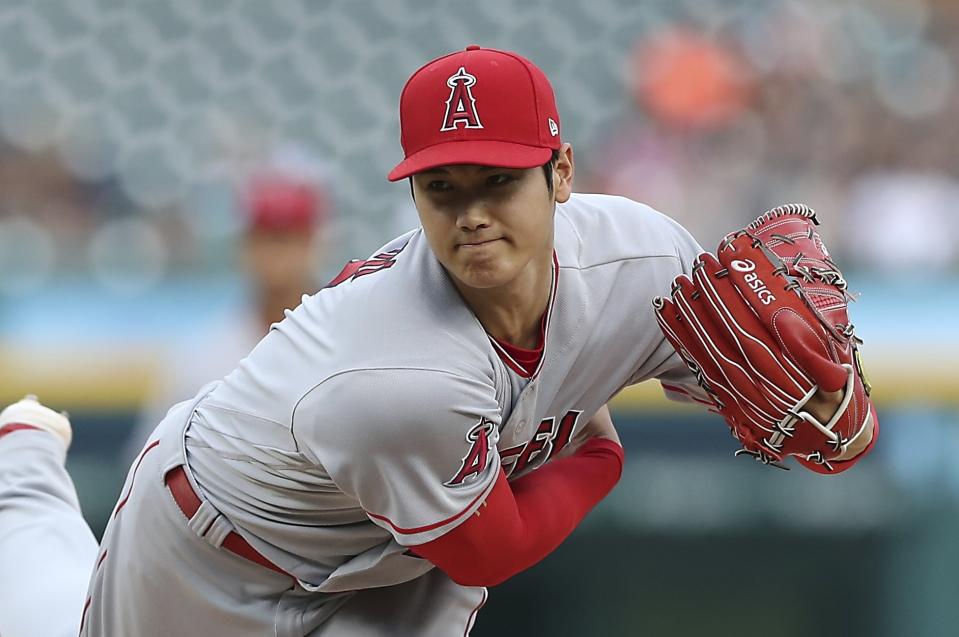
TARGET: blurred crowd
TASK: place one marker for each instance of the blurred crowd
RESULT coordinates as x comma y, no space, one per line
845,106
847,109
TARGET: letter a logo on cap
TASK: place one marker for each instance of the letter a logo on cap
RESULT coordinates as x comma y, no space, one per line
461,106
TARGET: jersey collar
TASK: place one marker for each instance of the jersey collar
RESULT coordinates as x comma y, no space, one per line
504,354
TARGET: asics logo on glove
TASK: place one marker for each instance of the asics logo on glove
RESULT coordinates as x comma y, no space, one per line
755,283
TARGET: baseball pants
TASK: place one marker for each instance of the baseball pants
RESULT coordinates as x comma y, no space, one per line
155,576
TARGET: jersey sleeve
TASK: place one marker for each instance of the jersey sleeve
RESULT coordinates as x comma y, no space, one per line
677,381
416,448
665,365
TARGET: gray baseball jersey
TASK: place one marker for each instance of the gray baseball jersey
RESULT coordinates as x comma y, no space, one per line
378,414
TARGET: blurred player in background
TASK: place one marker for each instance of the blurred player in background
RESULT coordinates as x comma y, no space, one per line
285,210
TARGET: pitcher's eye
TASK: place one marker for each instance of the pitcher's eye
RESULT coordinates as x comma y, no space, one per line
499,180
438,185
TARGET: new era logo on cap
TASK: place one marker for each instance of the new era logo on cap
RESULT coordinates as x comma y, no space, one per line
478,106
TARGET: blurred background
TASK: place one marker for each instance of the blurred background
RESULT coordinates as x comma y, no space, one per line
173,174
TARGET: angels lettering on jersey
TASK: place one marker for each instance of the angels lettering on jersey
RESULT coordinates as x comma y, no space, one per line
551,436
359,267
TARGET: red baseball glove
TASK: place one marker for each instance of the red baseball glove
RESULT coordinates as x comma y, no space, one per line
764,327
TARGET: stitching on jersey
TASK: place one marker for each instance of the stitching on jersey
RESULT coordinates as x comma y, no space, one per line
671,223
580,243
221,407
469,510
624,259
350,371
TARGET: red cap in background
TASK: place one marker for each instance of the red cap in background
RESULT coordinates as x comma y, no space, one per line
275,201
478,106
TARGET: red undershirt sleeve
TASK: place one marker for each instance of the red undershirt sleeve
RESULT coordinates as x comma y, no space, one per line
523,521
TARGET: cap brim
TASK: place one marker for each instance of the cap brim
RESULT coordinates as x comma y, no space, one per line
481,153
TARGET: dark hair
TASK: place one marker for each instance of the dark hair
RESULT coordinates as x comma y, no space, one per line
547,170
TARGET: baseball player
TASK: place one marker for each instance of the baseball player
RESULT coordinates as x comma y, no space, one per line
285,210
431,423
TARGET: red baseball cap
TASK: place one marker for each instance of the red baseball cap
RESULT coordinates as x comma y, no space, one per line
478,106
275,202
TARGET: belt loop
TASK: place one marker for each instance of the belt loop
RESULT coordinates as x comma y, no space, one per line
204,518
218,531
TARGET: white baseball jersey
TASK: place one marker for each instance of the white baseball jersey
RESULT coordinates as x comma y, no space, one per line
378,414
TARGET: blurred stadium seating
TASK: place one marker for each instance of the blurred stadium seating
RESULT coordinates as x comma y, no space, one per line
127,129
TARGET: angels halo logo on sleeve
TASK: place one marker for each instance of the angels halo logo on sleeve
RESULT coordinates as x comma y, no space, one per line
482,439
461,105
